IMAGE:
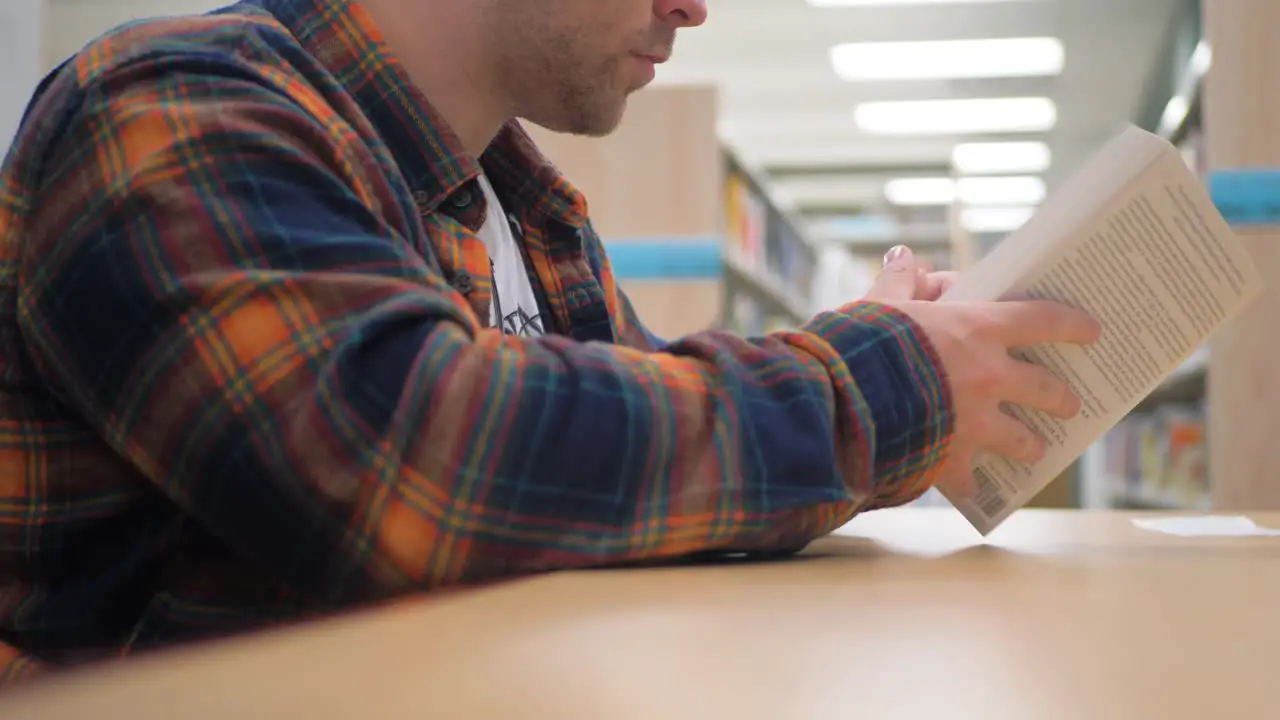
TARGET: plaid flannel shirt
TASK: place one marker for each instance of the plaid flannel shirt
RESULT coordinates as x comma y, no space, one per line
247,375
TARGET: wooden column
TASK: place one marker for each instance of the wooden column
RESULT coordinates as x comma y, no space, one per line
1242,130
657,180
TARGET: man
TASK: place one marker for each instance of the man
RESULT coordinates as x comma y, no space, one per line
254,365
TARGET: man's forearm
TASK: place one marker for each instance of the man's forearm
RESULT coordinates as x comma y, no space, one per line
272,354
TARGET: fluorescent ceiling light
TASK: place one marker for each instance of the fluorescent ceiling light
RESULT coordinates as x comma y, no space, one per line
995,219
957,117
1013,190
920,191
1174,112
948,59
1201,58
994,158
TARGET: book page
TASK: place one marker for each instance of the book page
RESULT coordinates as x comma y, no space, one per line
1161,271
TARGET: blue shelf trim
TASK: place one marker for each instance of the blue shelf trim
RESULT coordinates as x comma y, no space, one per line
1247,197
693,258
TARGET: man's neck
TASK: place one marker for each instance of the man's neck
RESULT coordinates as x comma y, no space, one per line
440,45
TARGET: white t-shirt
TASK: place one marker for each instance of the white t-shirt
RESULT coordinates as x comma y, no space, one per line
514,303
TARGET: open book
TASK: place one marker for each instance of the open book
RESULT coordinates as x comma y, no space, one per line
1133,238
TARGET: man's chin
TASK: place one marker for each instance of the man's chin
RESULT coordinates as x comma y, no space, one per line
596,121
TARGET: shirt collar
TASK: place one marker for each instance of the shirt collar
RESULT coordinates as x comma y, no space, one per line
343,38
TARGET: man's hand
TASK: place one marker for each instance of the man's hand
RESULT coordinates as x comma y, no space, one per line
973,341
932,285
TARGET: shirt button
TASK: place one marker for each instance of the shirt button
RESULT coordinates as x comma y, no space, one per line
463,283
462,199
420,199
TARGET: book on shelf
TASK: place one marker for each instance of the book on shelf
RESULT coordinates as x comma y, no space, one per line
764,244
1133,238
1157,459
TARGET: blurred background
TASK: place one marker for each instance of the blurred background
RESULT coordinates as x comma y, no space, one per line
790,143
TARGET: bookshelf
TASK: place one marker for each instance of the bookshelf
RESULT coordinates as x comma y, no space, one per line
770,263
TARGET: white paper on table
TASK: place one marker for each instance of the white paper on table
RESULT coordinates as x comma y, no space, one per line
1205,526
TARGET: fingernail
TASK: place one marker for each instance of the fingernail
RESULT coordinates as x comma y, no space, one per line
895,253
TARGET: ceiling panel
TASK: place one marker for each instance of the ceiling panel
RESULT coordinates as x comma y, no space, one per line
782,104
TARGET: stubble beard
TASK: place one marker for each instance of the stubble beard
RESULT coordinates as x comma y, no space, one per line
569,95
591,103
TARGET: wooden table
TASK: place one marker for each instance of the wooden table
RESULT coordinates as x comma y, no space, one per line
905,614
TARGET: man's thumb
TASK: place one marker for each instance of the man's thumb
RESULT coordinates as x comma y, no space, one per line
897,280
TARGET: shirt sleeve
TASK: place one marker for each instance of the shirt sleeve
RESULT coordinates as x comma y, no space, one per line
16,668
208,285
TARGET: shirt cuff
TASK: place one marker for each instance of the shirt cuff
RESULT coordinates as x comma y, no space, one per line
894,409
